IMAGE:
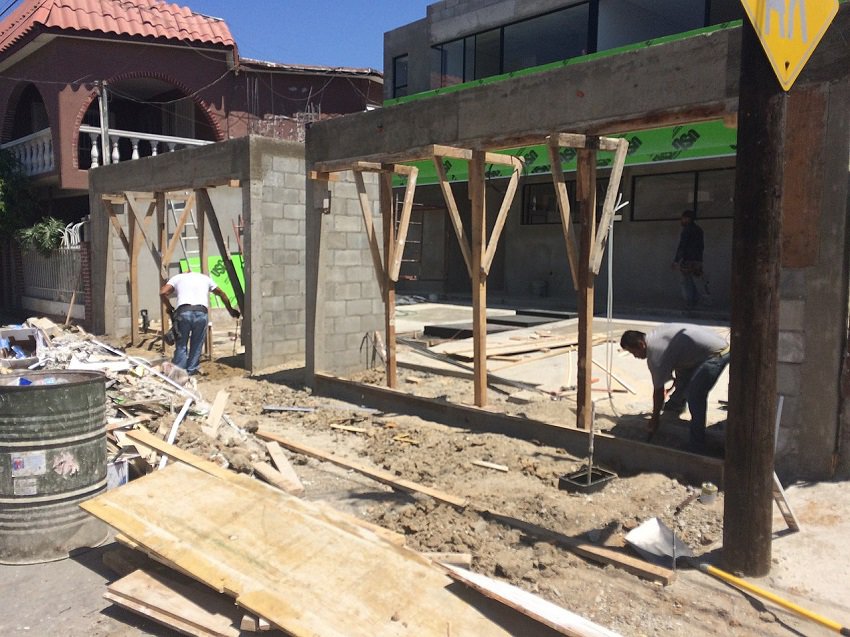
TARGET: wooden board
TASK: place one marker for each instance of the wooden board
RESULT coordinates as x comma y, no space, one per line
276,478
188,608
350,523
279,460
376,474
552,615
283,563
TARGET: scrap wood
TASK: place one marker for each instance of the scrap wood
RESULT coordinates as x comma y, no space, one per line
285,408
376,474
279,460
121,423
215,414
455,559
603,555
405,437
348,522
547,613
276,478
262,546
356,430
598,554
490,465
187,607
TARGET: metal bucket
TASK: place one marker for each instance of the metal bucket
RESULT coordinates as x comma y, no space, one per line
52,457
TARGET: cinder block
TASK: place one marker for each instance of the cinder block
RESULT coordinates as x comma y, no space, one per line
358,307
791,347
788,378
293,211
288,165
792,284
271,210
347,223
296,242
792,314
347,258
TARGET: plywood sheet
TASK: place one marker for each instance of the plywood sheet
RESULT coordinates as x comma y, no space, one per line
304,574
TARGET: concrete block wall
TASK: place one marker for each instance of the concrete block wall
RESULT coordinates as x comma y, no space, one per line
275,230
344,301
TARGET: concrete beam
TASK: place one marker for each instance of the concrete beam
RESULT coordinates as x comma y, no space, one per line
623,455
676,82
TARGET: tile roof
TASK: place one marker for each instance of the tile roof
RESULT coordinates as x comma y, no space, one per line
148,18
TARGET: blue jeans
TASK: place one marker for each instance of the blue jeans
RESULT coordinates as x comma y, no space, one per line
702,381
191,334
689,290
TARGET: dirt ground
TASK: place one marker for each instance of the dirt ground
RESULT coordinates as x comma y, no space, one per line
809,567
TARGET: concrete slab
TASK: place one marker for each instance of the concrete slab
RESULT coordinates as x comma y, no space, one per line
411,318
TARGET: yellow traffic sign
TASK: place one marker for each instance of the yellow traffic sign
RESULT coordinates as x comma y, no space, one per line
789,31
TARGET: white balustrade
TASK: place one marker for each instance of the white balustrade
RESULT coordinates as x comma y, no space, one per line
137,148
34,152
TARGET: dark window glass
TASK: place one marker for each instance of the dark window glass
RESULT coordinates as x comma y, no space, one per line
710,193
724,11
540,206
452,63
400,76
547,38
488,53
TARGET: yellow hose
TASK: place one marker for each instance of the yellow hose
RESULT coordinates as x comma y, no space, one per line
737,581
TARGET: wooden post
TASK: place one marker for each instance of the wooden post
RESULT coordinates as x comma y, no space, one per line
205,207
203,253
748,470
479,277
388,217
135,248
586,196
162,242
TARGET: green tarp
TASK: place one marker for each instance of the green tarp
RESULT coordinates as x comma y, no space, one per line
218,273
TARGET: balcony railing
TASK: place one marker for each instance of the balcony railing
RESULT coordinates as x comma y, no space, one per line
33,152
141,144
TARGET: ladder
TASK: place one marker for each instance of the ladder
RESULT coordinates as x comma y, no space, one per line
189,243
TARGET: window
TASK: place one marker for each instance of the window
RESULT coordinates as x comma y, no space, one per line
400,76
710,193
540,206
546,38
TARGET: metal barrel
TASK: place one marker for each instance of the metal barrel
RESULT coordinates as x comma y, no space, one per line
52,458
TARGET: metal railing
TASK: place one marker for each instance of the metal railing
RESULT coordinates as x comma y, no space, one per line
151,146
34,152
54,277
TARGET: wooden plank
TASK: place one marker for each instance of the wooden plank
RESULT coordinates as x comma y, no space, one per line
279,460
116,224
263,548
502,215
575,140
478,231
547,613
141,226
454,213
490,465
563,199
586,196
189,608
404,224
277,479
379,475
348,522
215,414
463,560
388,218
600,554
608,205
371,237
206,207
172,434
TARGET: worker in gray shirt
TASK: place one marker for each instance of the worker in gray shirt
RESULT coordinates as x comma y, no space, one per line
693,357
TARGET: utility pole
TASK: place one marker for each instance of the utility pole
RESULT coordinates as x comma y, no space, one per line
757,226
106,157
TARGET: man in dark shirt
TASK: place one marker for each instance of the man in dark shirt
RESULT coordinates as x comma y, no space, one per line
688,258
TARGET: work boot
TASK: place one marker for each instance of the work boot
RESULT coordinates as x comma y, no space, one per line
675,408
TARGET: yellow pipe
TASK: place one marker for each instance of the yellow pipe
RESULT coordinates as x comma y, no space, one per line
737,581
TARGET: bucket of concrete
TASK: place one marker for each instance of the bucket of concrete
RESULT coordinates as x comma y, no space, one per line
655,541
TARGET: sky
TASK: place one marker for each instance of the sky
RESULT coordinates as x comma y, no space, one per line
310,32
321,32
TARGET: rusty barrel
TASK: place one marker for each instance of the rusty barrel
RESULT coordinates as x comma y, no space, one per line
52,457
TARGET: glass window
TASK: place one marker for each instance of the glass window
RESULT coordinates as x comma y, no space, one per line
400,76
540,206
452,63
662,197
547,38
710,193
724,11
488,53
715,193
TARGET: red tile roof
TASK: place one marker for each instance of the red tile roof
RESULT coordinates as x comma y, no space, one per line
149,18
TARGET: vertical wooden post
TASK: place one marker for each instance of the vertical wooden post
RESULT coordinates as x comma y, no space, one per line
479,277
136,241
586,195
162,242
201,233
756,232
388,217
